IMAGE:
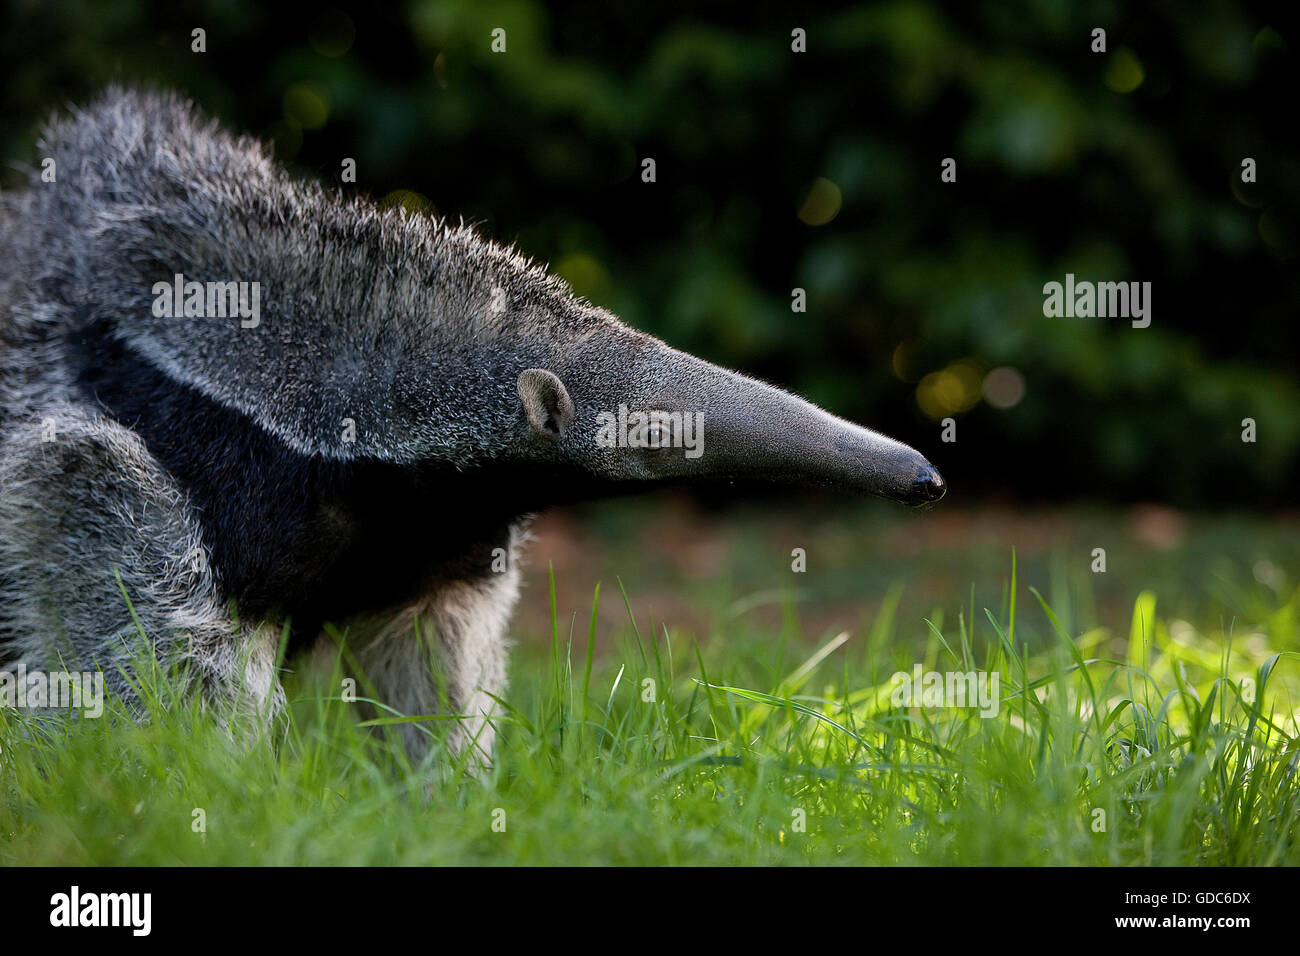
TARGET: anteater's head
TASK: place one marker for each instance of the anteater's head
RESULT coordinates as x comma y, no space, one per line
627,408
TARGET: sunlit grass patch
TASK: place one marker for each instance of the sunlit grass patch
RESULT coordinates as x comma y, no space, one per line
1168,744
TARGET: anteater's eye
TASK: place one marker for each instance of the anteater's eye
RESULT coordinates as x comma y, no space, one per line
659,431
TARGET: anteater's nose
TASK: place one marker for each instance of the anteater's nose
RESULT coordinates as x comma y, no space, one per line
928,485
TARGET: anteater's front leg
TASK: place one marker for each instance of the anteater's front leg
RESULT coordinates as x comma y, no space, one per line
88,520
446,654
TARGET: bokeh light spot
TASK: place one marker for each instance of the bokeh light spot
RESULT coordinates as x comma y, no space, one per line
822,203
1124,72
306,105
954,389
1004,387
1268,42
409,200
585,274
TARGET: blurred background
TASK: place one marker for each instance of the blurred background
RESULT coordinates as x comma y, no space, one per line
820,171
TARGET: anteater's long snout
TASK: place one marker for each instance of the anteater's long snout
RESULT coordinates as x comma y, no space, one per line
867,461
755,430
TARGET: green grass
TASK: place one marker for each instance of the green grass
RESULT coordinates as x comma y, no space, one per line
1144,747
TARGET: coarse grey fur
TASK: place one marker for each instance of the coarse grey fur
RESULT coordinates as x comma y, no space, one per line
369,453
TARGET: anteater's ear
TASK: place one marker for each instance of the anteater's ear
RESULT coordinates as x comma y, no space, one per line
547,402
